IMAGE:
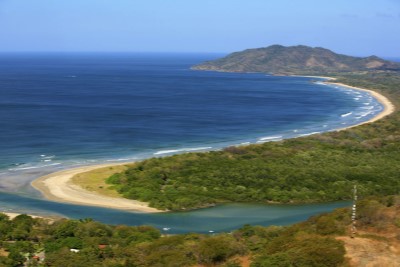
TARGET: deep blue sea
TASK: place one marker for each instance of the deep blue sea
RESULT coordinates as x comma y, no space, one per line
64,110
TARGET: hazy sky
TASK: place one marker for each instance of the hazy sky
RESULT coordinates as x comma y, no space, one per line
355,27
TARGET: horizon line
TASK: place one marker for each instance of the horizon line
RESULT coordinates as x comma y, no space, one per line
147,52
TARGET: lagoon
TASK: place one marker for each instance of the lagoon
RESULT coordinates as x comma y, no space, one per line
221,218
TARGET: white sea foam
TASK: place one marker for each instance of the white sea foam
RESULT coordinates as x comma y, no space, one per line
356,98
161,152
365,114
34,167
23,168
346,114
166,151
270,138
369,107
47,156
309,133
197,148
245,143
122,159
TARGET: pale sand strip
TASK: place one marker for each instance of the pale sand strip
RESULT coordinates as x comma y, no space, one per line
58,187
12,215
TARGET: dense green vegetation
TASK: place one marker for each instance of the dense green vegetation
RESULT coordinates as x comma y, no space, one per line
95,244
309,169
300,60
307,244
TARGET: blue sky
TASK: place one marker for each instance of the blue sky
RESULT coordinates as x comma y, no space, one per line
354,27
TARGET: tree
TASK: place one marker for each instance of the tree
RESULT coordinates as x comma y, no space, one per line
217,249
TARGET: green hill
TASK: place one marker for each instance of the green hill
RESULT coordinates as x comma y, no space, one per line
278,59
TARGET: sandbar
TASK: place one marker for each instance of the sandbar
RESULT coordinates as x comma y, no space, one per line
58,186
12,215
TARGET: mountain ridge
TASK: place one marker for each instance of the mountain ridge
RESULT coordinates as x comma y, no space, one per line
301,59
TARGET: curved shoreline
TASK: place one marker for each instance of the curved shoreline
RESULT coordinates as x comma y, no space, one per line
388,107
58,186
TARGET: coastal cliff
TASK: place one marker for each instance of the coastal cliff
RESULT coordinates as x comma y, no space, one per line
278,59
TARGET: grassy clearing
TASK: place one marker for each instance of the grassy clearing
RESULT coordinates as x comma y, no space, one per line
94,180
3,252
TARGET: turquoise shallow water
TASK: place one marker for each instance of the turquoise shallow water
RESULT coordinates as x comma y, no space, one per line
220,218
59,111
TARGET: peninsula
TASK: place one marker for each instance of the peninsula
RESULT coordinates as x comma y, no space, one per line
297,60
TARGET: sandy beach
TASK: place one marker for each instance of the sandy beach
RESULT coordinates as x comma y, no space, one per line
388,107
58,186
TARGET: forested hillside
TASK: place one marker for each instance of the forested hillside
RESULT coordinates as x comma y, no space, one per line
300,60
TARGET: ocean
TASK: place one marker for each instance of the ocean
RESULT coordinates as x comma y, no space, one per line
64,110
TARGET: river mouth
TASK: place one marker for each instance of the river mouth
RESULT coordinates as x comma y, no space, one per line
221,218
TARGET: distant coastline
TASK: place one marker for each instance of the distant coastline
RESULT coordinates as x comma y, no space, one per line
58,186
